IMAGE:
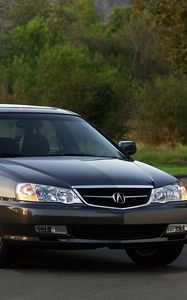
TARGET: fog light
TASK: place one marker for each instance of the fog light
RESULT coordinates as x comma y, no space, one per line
55,229
43,228
59,230
176,228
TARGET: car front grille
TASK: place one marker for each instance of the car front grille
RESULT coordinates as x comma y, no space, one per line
117,232
105,197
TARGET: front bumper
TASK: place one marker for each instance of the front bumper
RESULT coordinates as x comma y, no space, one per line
17,221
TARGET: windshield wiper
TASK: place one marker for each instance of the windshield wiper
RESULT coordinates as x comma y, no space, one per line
7,154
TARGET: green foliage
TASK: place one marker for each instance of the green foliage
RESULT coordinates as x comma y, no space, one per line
28,40
168,20
26,43
82,82
126,73
161,111
133,43
24,11
76,20
173,161
60,20
120,16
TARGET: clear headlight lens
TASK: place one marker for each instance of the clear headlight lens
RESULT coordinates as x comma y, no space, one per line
167,193
43,193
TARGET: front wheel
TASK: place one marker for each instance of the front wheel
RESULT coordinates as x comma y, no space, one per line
155,255
7,254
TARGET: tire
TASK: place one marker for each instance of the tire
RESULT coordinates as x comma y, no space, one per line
7,254
152,255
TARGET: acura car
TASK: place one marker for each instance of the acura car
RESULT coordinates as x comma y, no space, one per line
66,185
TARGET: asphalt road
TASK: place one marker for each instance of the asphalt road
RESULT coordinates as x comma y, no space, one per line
99,274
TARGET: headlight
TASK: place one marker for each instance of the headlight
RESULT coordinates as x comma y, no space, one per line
43,193
166,194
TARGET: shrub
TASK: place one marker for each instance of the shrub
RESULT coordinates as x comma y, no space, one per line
161,109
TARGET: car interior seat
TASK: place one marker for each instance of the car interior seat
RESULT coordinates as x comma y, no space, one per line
34,144
8,145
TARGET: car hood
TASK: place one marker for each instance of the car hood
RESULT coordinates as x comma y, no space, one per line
73,171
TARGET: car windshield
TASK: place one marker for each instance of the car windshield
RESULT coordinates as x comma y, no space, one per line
52,135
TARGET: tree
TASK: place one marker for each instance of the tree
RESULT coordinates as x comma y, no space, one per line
26,43
161,109
29,39
87,24
60,20
23,11
132,43
168,20
82,82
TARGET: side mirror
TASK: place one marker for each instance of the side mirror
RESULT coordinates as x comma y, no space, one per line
128,147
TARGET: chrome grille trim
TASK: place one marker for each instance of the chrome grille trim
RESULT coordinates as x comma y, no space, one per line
112,186
110,197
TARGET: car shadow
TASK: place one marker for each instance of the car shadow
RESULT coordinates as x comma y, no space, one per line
95,261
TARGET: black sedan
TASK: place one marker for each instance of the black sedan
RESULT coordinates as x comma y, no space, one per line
65,185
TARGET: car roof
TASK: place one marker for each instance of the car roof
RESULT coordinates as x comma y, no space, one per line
18,108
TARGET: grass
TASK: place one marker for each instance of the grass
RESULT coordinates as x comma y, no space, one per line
173,161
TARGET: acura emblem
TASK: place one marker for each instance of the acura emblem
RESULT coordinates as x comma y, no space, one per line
118,198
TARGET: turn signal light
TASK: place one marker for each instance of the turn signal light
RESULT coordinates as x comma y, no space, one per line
176,228
184,192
